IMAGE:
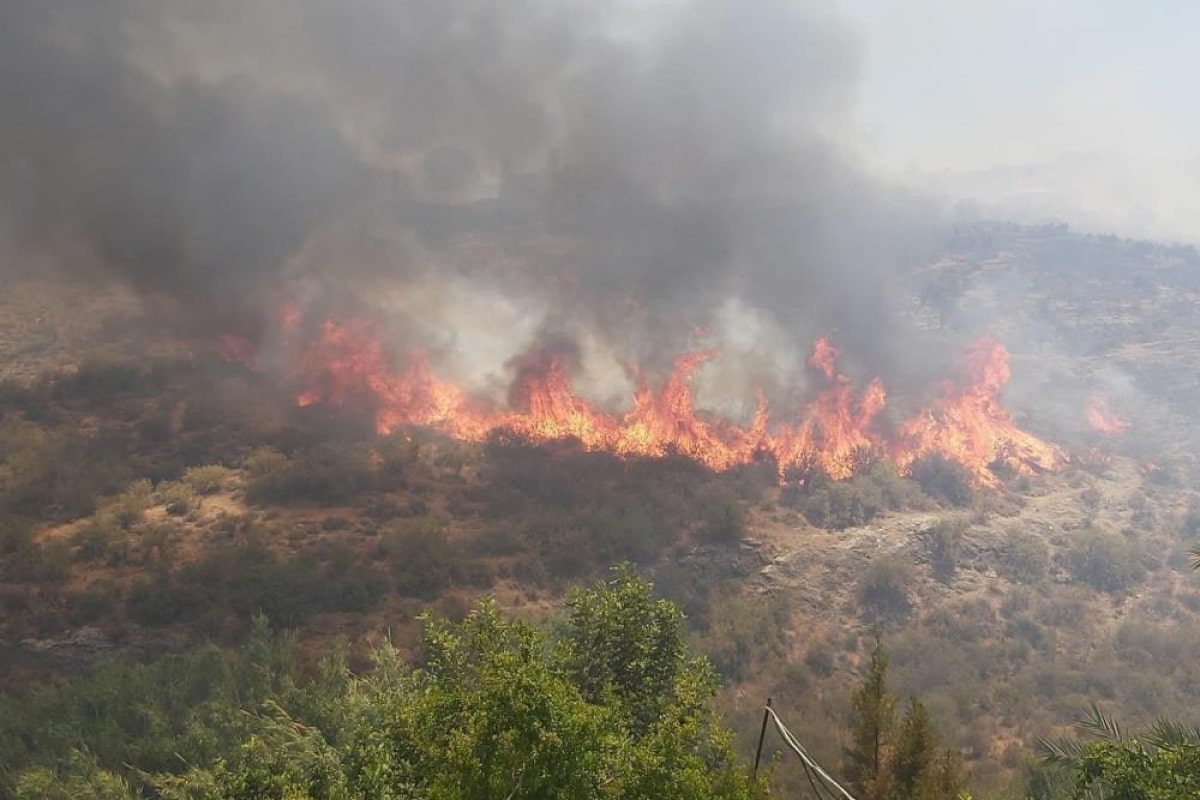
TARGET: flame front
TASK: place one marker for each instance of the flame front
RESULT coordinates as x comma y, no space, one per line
968,425
346,365
1103,419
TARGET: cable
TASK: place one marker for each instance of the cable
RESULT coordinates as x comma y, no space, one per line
808,773
797,748
806,759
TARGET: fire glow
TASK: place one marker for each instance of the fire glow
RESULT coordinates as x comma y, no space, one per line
345,364
1103,419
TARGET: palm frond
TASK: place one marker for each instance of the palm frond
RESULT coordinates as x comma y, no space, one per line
1100,725
1195,554
1060,752
1169,733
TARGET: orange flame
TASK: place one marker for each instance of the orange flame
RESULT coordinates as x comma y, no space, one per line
967,423
346,365
1103,419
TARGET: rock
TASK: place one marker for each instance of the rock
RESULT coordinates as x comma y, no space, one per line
84,641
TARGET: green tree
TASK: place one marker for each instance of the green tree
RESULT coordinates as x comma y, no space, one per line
1159,763
82,780
616,709
911,766
886,760
874,711
625,647
1131,771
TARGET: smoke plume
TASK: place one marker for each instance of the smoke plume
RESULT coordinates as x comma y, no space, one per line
491,173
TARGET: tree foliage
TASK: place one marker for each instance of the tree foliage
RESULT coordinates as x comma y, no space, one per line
1159,763
874,711
614,708
895,760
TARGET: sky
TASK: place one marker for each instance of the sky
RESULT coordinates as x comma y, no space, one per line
1082,110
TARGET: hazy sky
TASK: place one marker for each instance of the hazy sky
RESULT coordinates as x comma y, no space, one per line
970,85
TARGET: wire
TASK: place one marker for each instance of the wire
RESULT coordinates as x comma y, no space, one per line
806,760
808,773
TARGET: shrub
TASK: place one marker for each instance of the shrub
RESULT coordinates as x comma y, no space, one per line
821,658
177,498
97,381
133,503
1024,557
327,475
744,631
1104,560
942,479
244,579
399,455
883,588
422,560
60,477
837,506
945,540
16,535
101,599
208,479
722,518
100,538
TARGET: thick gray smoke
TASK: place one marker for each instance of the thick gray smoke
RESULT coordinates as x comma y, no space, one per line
620,173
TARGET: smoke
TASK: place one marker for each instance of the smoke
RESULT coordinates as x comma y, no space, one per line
488,172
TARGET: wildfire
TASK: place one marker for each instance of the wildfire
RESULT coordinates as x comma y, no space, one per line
345,364
968,424
1103,420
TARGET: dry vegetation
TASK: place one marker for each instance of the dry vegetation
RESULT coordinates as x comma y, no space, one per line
150,500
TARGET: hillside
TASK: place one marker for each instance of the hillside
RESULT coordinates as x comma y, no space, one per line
157,494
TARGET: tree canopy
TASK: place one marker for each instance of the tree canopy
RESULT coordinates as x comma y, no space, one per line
614,707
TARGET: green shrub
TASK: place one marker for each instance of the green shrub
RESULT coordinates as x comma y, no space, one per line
1104,560
330,474
1024,557
16,535
821,658
883,588
132,504
47,563
744,631
177,498
100,600
100,538
422,559
945,542
208,479
246,578
837,505
60,477
97,381
942,479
